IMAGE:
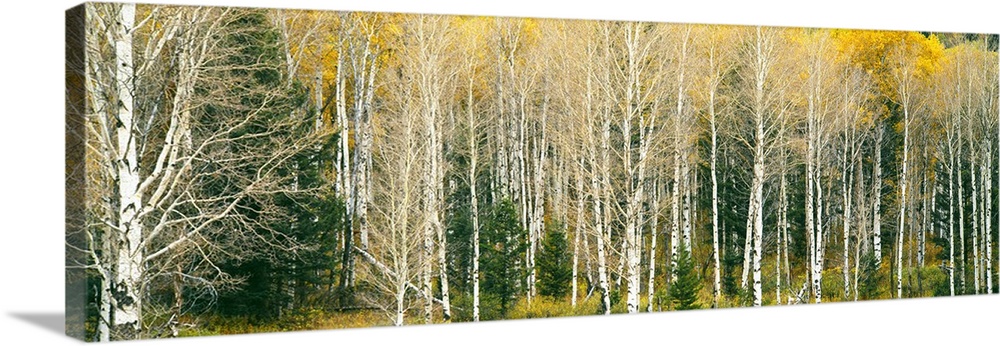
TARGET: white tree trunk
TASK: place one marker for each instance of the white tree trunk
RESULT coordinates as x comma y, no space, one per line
757,196
442,250
686,203
363,66
961,218
397,240
538,191
784,234
343,155
318,100
782,247
717,281
598,173
400,305
877,204
747,245
925,224
820,247
430,216
675,196
104,309
861,242
714,158
473,195
441,238
432,76
987,219
975,222
921,239
633,184
983,218
902,200
129,271
576,232
679,181
810,187
426,272
755,221
814,164
845,188
632,239
951,217
364,159
605,190
637,180
343,160
653,230
602,266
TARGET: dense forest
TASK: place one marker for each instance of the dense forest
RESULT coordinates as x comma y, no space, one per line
237,170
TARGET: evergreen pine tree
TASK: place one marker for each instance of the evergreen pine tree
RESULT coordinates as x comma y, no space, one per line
555,268
502,260
869,278
272,282
684,291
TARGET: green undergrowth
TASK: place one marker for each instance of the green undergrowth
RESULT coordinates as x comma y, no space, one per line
299,320
932,281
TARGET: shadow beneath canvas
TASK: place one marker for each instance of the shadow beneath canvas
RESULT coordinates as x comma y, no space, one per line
51,321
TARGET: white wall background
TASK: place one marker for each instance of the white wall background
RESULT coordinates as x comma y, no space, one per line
31,190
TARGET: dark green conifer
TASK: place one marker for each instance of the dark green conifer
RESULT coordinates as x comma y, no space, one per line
684,290
555,266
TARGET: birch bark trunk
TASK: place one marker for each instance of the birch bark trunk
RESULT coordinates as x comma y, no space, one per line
877,204
819,241
926,223
343,154
951,217
717,281
679,181
782,247
987,218
126,288
637,54
903,177
363,66
961,218
926,219
810,182
432,76
756,209
577,231
756,216
473,195
675,227
598,169
975,221
861,221
343,158
845,188
364,154
602,265
538,190
653,230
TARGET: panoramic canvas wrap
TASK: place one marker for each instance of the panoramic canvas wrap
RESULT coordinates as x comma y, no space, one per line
240,170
